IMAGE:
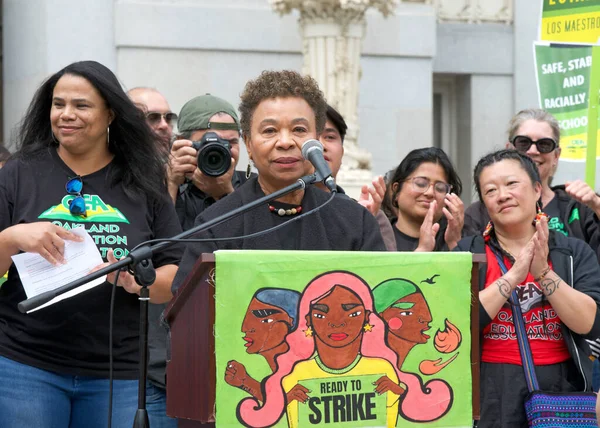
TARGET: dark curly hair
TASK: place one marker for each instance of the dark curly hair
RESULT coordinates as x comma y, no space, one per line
281,84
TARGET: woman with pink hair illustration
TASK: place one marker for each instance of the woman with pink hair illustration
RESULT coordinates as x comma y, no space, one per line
338,335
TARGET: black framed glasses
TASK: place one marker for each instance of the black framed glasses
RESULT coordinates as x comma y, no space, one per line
154,117
544,145
422,184
77,204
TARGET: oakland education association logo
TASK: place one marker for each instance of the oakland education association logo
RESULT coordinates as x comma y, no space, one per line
97,211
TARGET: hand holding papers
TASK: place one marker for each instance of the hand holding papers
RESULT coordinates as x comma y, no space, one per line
38,275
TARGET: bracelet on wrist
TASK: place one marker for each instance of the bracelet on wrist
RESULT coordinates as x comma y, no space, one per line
542,275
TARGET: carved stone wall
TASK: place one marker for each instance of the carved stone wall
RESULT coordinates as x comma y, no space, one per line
472,11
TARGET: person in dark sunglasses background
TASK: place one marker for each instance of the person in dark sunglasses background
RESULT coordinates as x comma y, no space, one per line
573,208
85,158
425,195
157,111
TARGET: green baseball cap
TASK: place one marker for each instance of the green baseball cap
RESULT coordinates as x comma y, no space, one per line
196,114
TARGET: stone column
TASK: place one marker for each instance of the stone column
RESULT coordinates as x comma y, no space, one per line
332,33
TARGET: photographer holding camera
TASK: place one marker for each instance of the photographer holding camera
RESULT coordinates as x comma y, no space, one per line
204,156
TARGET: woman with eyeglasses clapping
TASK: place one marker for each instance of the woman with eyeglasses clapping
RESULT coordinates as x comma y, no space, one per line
86,159
425,194
572,208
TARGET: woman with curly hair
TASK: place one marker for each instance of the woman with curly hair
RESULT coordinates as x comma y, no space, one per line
280,110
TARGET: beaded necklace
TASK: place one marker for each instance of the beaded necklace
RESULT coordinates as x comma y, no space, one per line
282,211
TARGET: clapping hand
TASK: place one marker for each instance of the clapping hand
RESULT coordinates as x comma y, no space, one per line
455,213
519,271
539,262
429,230
372,196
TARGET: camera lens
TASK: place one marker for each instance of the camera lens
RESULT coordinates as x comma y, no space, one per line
214,159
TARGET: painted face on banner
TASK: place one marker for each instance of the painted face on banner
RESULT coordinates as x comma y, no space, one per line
265,327
338,318
408,318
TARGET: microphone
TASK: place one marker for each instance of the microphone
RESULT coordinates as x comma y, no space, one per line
312,150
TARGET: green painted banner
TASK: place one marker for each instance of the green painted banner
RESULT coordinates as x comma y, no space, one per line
344,339
564,76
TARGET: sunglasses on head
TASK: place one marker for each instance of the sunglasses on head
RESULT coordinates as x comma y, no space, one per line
523,143
77,204
155,117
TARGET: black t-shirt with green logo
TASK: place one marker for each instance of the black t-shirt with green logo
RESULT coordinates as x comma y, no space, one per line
71,336
555,222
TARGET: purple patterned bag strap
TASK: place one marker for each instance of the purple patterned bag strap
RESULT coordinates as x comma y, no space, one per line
522,340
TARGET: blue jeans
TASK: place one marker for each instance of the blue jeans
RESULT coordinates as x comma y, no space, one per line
31,397
156,406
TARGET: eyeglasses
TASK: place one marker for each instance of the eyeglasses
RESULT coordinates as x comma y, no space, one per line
544,145
77,204
422,184
155,117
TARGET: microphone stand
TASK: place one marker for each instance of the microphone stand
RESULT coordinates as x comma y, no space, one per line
139,262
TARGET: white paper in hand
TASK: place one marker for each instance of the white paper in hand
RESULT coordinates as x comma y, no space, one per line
39,275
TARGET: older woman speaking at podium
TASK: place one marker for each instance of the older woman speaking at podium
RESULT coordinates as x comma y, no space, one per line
280,110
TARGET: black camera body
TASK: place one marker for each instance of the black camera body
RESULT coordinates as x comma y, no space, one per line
214,154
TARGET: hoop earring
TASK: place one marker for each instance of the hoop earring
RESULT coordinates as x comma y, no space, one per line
108,135
54,137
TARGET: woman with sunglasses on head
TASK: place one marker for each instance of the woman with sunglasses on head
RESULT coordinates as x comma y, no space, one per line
573,208
86,158
555,280
425,194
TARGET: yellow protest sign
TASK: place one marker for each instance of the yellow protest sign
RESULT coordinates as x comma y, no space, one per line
570,21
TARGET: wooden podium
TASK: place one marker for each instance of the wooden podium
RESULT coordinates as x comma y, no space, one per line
191,378
191,372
